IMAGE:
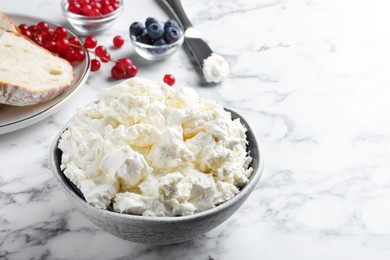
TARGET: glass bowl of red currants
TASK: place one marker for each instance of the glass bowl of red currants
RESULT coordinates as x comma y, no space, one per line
91,16
154,40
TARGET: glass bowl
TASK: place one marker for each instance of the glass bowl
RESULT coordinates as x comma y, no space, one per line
85,25
152,52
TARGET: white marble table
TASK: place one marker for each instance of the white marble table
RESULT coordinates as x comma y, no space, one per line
313,79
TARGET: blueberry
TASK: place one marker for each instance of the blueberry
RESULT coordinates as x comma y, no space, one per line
171,23
155,31
136,28
172,34
150,20
160,42
143,37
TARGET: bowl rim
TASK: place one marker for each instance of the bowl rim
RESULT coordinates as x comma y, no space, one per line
92,19
248,187
147,46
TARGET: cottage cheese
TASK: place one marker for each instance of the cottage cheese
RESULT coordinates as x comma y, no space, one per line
149,149
215,68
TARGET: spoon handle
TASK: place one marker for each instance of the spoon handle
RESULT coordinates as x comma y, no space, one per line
176,8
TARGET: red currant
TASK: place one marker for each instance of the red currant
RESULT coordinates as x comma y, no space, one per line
87,9
117,72
23,28
131,70
46,36
74,41
100,51
124,63
115,6
79,55
106,57
83,2
95,65
105,2
97,5
37,40
60,32
74,8
62,45
90,42
28,34
107,9
42,26
50,46
33,28
118,41
94,12
169,79
70,55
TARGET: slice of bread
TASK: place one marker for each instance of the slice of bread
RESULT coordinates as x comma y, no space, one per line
30,74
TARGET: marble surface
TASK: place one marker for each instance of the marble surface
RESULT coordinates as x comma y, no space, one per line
312,78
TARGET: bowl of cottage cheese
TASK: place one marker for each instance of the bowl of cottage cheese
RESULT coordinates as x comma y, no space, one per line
154,164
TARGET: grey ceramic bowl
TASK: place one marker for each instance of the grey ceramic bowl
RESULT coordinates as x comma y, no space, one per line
160,230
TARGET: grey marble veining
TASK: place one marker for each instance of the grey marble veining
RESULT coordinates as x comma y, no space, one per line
312,78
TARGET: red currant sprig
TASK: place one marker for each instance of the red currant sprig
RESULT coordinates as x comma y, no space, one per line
73,50
123,68
55,41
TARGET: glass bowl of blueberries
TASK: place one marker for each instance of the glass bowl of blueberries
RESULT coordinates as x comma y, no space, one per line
91,16
155,40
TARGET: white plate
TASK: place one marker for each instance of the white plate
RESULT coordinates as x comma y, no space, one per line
13,118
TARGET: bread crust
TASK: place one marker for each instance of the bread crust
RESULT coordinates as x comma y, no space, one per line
18,96
8,20
21,96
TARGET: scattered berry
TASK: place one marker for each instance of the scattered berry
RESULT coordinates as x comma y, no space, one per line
118,41
106,57
117,72
123,63
100,51
90,42
169,79
95,65
131,70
